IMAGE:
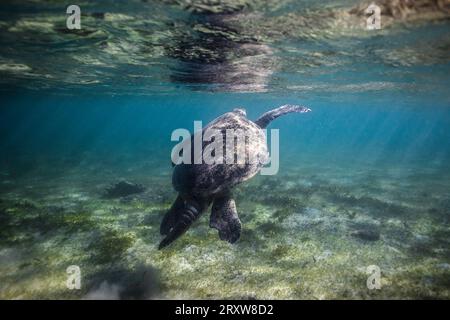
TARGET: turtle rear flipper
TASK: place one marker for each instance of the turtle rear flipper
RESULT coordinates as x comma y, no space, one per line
224,218
178,221
171,216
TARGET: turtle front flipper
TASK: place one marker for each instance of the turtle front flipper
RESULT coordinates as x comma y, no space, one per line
224,218
178,221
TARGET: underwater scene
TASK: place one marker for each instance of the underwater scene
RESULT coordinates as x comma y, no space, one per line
93,207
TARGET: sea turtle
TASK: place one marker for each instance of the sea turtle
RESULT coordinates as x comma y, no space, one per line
199,183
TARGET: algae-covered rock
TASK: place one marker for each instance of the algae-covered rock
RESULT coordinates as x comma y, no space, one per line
366,234
123,189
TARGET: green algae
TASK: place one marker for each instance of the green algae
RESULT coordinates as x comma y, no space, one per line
302,250
21,221
111,245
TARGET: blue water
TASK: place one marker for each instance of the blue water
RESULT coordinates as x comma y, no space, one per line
81,111
375,128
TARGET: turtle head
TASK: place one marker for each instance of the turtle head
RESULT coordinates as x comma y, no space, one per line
240,111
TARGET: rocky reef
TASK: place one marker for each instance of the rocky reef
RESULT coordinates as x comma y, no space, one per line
403,10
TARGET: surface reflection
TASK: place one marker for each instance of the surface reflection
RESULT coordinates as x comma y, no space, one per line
216,53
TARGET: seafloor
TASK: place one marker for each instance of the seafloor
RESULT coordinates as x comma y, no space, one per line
308,233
